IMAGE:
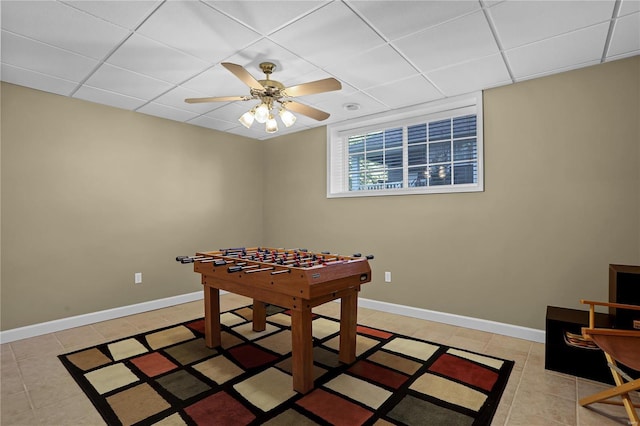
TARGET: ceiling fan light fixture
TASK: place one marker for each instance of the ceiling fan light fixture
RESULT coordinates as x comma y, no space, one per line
287,117
262,113
247,118
271,125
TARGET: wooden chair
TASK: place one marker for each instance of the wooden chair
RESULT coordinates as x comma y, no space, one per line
618,345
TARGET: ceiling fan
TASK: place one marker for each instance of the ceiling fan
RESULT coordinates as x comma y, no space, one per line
269,92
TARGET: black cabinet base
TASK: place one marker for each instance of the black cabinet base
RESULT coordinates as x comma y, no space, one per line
578,361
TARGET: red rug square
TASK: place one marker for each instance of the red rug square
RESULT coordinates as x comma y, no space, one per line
465,371
153,364
250,356
373,332
197,325
335,410
219,409
378,374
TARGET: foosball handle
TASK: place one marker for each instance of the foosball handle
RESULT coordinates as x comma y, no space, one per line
369,256
233,269
186,260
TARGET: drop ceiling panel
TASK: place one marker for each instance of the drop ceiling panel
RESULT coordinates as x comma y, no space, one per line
328,35
290,68
176,96
467,76
216,81
119,80
59,25
164,111
396,19
106,97
33,55
266,18
562,52
127,14
149,57
197,29
626,39
411,91
465,38
373,68
212,123
629,6
335,106
35,80
522,22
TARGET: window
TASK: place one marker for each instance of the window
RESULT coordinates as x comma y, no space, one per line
432,149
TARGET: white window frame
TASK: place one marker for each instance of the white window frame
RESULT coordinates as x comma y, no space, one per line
338,135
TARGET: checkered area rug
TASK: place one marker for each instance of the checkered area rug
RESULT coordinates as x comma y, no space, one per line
169,377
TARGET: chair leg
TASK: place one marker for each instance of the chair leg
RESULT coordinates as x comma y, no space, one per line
622,389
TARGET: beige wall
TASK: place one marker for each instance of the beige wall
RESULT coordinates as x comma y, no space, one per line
561,202
93,194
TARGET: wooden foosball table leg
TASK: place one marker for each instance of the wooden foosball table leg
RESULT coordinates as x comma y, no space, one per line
259,315
302,349
212,316
348,327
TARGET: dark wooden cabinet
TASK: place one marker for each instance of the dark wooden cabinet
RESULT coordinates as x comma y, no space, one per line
569,359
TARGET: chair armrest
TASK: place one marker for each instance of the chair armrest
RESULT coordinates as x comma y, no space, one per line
592,304
610,305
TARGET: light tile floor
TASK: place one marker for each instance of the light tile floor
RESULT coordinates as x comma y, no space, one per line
36,389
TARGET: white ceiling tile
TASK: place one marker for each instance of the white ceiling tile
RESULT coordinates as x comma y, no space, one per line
626,35
106,97
230,111
59,25
127,14
521,22
376,66
629,6
35,80
120,80
217,81
335,105
456,41
562,52
35,56
471,76
328,35
197,29
266,19
396,19
212,123
163,111
410,91
253,132
175,98
154,59
289,67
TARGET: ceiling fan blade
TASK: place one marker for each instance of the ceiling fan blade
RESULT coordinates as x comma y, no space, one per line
306,110
218,99
318,86
243,75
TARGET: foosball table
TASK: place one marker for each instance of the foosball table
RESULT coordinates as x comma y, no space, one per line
295,279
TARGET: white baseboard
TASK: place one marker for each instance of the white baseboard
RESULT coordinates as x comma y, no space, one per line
109,314
93,317
458,320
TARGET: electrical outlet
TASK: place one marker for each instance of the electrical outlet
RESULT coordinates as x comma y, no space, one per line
137,278
387,277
